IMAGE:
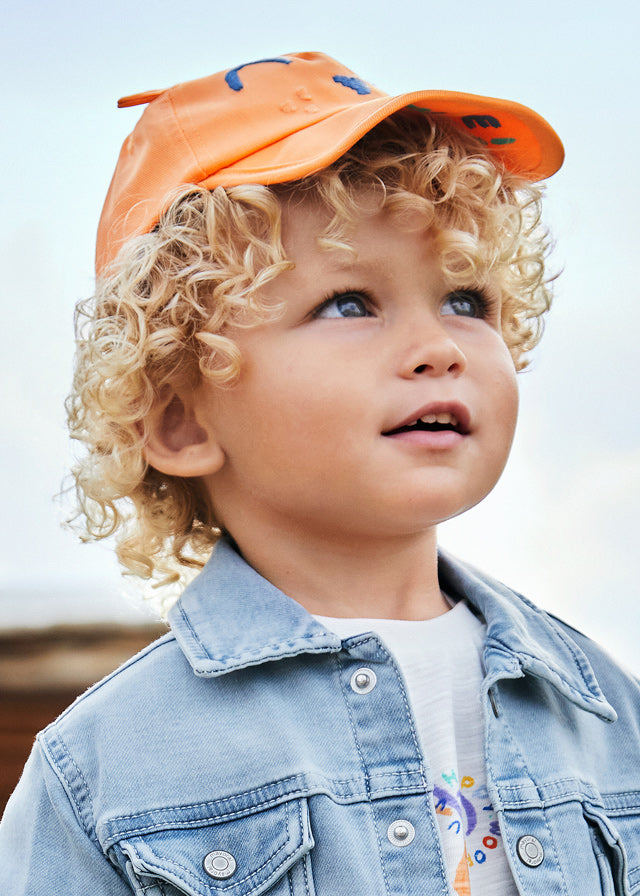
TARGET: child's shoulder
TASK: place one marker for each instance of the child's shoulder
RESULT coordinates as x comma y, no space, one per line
137,683
617,681
139,724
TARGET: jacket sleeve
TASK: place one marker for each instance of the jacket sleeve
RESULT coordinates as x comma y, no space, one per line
43,847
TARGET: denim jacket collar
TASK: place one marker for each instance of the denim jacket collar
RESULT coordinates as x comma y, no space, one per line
523,639
230,617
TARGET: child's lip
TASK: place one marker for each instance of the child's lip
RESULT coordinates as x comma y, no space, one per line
454,409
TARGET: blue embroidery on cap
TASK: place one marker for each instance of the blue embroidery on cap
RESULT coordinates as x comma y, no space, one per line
502,141
485,121
354,83
233,79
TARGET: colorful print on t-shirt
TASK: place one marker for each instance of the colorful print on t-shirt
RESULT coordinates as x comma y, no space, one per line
468,825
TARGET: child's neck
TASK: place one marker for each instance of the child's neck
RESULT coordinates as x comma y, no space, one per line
386,579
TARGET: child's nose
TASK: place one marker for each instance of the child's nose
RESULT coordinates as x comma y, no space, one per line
431,350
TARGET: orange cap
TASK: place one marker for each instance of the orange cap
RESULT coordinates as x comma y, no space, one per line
280,119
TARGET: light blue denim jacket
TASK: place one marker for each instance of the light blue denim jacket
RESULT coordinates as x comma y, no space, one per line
239,755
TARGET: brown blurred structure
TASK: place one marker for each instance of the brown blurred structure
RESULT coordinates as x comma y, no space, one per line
43,671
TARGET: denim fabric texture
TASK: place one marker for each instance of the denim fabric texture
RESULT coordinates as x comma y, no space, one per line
235,756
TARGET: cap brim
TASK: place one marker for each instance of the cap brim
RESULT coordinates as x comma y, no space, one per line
516,136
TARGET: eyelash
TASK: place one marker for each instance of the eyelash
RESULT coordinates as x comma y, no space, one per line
362,294
483,303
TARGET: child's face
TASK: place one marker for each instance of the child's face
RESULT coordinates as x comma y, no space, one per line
315,434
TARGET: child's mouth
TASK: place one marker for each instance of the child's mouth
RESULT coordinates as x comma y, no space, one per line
434,421
429,423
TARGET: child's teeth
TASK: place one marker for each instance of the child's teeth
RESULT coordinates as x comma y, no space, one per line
445,419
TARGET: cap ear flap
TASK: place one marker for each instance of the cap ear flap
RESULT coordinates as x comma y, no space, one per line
177,444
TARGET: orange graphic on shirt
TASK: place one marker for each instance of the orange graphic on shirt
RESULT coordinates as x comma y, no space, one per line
461,882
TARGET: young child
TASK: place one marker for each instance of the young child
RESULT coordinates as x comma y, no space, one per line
312,302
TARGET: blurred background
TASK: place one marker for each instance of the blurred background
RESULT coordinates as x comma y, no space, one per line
563,524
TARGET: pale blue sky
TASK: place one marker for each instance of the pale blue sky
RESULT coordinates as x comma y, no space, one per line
563,524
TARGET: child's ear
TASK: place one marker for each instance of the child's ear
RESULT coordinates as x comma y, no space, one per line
177,444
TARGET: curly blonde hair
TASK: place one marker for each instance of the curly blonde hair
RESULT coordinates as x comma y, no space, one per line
160,312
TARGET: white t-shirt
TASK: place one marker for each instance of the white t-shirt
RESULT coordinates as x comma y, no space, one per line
441,661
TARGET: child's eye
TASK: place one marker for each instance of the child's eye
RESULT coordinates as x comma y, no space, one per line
345,304
466,303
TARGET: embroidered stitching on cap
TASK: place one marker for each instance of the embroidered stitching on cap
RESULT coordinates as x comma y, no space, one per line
233,79
356,84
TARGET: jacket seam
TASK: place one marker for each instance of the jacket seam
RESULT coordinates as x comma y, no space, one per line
85,816
217,818
132,661
556,782
182,807
279,651
365,772
416,743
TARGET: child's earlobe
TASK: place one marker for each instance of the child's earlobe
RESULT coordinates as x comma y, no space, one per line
177,444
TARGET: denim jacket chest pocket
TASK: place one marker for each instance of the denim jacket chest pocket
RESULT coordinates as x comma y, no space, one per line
266,851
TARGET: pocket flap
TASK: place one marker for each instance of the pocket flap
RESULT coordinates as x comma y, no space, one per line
236,856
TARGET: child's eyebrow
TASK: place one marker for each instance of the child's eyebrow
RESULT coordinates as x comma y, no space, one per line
347,261
350,264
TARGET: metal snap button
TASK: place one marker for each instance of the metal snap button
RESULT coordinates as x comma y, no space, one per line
530,851
219,864
401,832
363,681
